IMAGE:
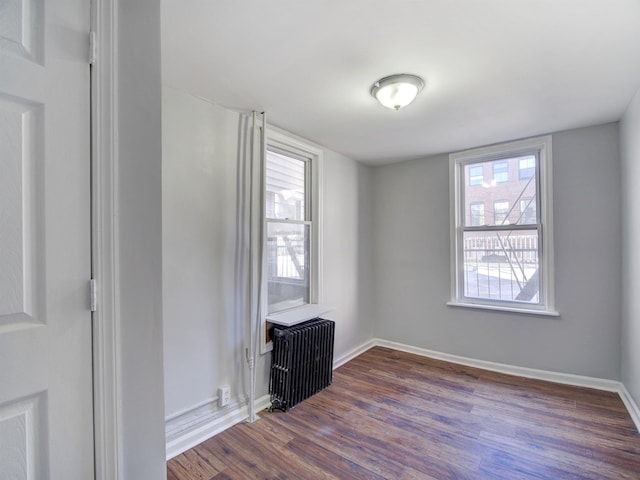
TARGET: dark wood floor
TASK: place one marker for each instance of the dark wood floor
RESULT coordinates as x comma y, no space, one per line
393,415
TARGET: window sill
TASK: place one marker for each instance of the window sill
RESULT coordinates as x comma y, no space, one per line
296,315
528,311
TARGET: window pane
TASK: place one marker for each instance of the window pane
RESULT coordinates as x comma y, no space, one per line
502,200
475,174
501,265
505,262
500,171
526,167
285,187
500,212
528,211
477,214
287,254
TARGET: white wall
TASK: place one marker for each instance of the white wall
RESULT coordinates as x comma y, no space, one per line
411,265
630,156
347,250
203,341
140,241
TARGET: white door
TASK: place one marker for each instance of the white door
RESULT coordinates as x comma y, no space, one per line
46,419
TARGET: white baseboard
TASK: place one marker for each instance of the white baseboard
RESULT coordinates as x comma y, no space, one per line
338,362
556,377
631,405
193,428
565,378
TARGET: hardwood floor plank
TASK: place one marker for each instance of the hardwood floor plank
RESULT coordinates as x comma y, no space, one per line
246,454
344,439
394,415
324,459
194,464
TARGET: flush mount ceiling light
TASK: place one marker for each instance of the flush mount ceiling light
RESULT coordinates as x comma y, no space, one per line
397,91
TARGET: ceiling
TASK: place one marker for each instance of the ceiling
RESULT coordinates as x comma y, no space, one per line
495,70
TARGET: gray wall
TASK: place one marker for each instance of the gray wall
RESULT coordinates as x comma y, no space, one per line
630,155
412,273
140,241
202,341
347,250
203,344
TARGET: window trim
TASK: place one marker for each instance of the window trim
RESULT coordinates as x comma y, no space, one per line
283,142
542,146
305,221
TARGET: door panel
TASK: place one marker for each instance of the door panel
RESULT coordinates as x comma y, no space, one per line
21,214
46,418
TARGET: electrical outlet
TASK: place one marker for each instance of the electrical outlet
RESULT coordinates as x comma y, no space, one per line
224,395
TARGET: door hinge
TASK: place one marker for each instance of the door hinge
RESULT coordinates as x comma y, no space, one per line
93,295
93,48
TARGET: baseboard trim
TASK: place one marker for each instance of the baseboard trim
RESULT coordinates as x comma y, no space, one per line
187,434
338,362
556,377
565,378
193,426
631,405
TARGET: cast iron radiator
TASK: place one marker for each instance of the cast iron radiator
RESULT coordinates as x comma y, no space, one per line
301,362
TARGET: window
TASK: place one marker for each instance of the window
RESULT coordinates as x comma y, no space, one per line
527,211
505,261
291,237
477,213
500,172
526,167
476,175
288,225
500,212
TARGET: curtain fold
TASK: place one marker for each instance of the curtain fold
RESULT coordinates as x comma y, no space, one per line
249,247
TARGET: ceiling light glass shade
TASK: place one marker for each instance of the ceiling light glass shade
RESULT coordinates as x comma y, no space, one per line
397,91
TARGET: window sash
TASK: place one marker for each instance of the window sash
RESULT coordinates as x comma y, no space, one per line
282,144
288,258
460,190
282,156
542,228
509,263
500,216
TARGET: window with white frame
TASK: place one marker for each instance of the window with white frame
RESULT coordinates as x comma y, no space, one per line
526,167
500,212
527,210
500,171
291,233
505,262
476,175
476,210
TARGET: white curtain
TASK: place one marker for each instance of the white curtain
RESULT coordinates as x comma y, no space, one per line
249,248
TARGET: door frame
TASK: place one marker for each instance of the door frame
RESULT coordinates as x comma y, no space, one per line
104,241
